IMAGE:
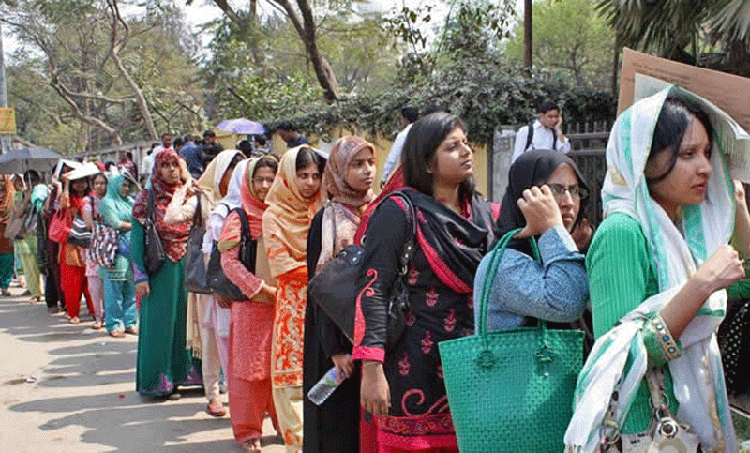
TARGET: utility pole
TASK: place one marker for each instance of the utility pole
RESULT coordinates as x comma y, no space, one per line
4,139
527,28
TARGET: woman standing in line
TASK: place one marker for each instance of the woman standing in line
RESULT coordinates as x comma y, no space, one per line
209,311
116,210
658,268
403,387
72,265
26,245
164,361
90,214
554,197
293,200
250,397
7,193
333,427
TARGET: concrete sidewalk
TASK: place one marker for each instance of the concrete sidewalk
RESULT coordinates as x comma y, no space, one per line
68,388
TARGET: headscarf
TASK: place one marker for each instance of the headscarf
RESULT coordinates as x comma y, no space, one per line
211,178
342,215
173,236
250,202
6,199
287,219
337,166
395,182
115,207
532,168
697,375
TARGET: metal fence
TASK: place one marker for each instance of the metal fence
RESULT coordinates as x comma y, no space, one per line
588,152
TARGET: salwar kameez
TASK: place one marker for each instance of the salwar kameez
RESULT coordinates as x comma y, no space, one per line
287,354
27,250
163,360
6,269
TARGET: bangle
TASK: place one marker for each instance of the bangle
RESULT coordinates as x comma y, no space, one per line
664,338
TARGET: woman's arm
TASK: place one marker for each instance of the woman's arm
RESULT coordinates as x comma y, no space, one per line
180,209
253,287
136,250
556,290
87,214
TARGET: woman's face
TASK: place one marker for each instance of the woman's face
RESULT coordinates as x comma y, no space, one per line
688,181
308,181
170,171
100,186
78,186
262,181
125,188
361,171
17,184
563,183
453,160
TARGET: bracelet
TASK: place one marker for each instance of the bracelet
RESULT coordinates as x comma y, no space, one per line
664,338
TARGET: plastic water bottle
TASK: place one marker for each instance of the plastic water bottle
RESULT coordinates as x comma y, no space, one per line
325,386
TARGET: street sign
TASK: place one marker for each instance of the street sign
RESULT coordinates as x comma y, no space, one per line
7,121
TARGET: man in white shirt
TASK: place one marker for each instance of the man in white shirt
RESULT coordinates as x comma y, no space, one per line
546,132
408,116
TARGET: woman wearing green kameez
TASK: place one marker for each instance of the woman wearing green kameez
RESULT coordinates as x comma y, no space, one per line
163,359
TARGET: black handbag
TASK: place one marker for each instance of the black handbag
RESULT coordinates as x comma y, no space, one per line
79,234
335,287
217,280
154,255
196,280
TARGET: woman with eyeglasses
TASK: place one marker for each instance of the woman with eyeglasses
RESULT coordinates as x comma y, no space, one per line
546,195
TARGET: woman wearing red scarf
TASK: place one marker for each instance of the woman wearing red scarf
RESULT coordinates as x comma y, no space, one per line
249,371
164,361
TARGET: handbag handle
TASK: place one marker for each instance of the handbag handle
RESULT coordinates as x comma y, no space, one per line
497,253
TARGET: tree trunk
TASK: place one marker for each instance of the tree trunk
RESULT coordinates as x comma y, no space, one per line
527,35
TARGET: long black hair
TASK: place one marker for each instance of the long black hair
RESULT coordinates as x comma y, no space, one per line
306,156
673,121
418,154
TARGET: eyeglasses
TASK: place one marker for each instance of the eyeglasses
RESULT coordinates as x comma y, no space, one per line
575,191
262,180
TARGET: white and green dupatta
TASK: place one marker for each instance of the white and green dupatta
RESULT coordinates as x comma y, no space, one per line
697,375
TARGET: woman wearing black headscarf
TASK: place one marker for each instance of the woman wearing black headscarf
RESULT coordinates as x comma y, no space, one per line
546,195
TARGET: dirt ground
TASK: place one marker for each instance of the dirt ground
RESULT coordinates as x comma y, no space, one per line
66,388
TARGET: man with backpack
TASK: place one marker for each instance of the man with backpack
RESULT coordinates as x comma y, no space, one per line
543,133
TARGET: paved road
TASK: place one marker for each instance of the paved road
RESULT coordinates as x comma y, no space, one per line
66,388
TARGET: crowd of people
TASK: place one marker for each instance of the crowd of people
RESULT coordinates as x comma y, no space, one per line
649,284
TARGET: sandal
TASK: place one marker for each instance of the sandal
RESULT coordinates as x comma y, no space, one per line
215,408
74,320
96,325
132,330
251,446
117,333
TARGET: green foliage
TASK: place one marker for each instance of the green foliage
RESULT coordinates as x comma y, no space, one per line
254,96
484,99
570,40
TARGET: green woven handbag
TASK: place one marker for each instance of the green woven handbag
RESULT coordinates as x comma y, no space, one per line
511,390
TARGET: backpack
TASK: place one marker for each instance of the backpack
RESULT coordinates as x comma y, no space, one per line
530,136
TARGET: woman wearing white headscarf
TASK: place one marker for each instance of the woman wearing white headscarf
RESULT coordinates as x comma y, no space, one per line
658,268
211,337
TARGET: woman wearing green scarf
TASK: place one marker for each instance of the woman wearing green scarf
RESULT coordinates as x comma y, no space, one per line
119,284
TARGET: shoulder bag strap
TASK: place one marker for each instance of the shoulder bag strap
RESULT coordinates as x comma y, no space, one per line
410,245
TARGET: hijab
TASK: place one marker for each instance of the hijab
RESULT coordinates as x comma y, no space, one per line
114,206
173,236
532,168
211,179
251,204
676,252
341,216
288,216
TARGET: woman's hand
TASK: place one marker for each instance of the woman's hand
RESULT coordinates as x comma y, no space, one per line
722,269
142,288
344,364
741,220
266,295
540,209
375,394
126,226
582,234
